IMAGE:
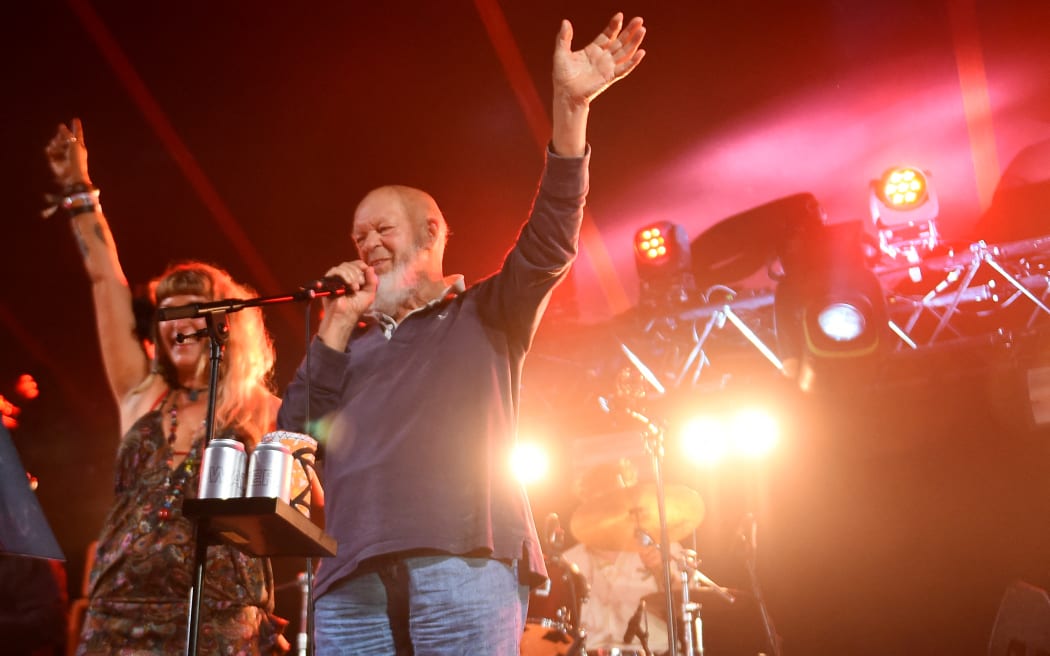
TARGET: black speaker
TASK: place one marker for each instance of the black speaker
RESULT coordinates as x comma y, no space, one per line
1022,625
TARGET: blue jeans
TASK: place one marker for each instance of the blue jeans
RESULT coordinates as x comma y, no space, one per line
455,606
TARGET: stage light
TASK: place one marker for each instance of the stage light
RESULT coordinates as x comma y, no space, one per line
713,437
842,321
9,413
755,432
904,188
662,259
529,462
27,387
830,309
904,209
705,440
745,243
844,324
651,244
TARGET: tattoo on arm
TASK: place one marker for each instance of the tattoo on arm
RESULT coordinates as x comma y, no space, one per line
81,243
100,233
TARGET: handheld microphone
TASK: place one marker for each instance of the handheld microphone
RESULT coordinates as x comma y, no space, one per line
198,334
334,285
634,624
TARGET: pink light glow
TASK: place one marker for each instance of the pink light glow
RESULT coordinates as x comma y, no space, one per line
831,141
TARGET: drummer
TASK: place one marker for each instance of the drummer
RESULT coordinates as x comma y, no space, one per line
619,578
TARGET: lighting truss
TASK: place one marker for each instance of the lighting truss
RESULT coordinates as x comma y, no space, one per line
979,292
679,345
986,280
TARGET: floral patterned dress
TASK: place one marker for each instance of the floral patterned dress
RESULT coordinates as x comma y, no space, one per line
144,565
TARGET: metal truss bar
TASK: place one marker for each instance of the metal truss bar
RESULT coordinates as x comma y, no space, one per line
746,331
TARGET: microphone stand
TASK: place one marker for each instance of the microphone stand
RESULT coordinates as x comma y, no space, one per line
302,641
653,437
216,317
752,571
635,630
691,610
218,330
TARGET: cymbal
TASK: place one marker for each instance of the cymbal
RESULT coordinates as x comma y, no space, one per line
611,520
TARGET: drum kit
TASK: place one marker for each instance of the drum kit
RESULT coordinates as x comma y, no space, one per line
624,518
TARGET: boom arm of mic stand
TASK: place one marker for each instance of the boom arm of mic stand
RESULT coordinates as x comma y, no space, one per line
722,592
229,305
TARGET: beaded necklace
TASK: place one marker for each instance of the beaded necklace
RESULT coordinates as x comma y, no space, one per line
173,413
175,480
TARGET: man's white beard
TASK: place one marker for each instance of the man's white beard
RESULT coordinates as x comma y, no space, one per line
395,288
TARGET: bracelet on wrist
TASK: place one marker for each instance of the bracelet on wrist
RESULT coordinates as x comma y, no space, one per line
86,208
78,194
80,198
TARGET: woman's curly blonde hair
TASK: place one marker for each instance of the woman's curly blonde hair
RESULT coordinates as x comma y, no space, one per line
244,398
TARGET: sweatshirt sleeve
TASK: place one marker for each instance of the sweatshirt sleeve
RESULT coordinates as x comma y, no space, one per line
515,297
316,389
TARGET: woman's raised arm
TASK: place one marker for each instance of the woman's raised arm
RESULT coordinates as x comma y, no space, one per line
123,354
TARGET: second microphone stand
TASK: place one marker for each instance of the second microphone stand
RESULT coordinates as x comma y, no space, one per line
217,330
653,437
750,559
218,327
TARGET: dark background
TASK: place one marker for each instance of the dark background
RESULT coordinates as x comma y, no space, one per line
891,519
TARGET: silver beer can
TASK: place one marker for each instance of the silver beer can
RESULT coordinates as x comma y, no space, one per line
270,471
222,470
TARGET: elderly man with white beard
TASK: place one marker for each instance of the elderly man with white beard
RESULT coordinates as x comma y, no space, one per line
415,380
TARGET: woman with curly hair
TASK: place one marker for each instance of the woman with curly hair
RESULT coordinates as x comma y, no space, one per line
144,563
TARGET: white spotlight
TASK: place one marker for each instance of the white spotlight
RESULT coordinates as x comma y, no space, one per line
705,441
755,433
529,462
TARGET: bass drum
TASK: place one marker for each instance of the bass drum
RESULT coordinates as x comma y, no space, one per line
552,627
